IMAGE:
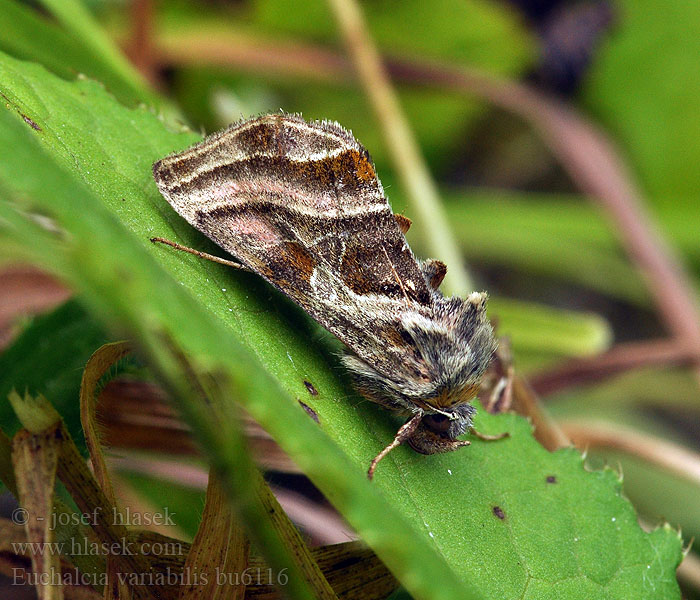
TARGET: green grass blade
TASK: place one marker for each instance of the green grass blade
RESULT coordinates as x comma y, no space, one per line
79,46
78,21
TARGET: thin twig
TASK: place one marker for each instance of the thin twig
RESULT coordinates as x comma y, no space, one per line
666,455
253,54
621,358
408,161
502,390
689,570
140,49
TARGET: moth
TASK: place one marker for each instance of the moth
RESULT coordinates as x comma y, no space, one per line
300,204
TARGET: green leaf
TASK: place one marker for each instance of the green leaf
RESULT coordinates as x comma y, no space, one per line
470,31
637,399
76,19
644,86
80,47
535,327
48,358
485,522
551,235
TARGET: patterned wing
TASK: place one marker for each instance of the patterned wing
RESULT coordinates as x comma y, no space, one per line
300,204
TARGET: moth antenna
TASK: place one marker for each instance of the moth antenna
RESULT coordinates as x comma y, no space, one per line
450,415
200,254
398,279
405,431
434,410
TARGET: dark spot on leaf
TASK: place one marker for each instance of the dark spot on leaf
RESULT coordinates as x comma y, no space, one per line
31,123
124,274
310,411
310,386
551,479
498,511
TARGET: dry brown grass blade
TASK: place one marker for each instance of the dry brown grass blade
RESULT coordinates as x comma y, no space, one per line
7,473
546,431
67,528
219,552
17,565
353,570
104,519
135,415
293,540
35,458
98,364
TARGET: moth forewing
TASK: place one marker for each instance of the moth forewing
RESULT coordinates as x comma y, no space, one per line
300,204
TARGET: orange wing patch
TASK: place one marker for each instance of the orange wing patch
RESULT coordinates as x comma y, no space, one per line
302,261
364,168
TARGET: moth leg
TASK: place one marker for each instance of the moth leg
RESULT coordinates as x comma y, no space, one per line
434,272
211,257
405,431
490,438
499,380
501,397
404,223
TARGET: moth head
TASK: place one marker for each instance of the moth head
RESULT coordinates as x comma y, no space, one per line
440,364
438,432
455,346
